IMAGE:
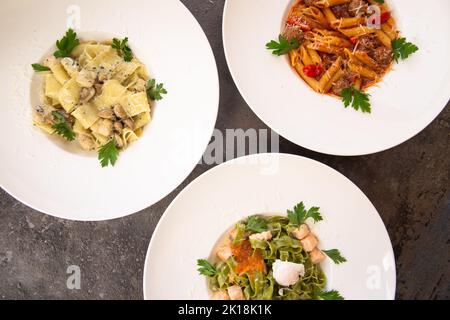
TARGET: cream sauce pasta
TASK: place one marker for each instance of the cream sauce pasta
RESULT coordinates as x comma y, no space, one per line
96,94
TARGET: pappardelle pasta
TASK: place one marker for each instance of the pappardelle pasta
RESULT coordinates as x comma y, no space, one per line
97,94
270,258
342,47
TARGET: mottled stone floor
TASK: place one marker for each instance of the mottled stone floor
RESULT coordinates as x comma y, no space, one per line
409,185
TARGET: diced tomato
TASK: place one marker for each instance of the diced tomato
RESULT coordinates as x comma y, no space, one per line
291,21
297,21
313,70
385,16
354,40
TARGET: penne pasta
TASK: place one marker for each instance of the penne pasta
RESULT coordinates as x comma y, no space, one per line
304,56
361,56
322,47
389,31
329,15
330,40
338,75
330,3
338,49
315,57
366,59
357,31
348,22
293,57
315,14
384,38
329,74
357,84
313,83
358,68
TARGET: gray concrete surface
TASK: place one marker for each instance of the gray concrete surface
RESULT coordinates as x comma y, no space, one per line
409,185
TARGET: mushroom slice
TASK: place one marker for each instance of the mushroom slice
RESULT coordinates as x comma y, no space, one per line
86,94
119,111
129,123
106,114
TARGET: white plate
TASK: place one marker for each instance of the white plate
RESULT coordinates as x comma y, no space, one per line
168,39
270,183
407,100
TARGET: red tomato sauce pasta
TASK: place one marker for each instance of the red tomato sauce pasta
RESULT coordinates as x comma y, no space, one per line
342,43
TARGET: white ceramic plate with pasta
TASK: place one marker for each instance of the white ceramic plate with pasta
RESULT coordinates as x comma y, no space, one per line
270,184
404,100
149,97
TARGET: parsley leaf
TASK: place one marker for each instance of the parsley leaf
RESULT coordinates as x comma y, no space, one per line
205,268
335,255
283,46
66,44
122,47
402,49
61,126
108,153
329,295
358,99
39,67
300,214
155,90
314,214
379,1
256,224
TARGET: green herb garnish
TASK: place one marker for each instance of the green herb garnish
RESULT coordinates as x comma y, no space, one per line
108,153
358,99
299,215
62,127
335,255
402,49
283,46
39,67
122,47
256,224
205,268
155,90
329,295
66,44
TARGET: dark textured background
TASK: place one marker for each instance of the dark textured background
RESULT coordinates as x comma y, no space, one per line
409,185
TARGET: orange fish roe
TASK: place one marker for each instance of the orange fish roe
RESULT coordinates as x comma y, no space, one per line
247,259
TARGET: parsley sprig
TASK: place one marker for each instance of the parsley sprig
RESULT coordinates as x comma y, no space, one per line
401,49
108,153
283,46
61,126
256,224
39,67
335,255
155,90
206,268
122,47
66,44
358,99
329,295
299,215
379,1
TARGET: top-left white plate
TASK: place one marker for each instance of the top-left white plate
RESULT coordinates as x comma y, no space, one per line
167,38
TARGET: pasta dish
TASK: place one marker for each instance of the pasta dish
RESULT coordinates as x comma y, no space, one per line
97,94
342,47
270,258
